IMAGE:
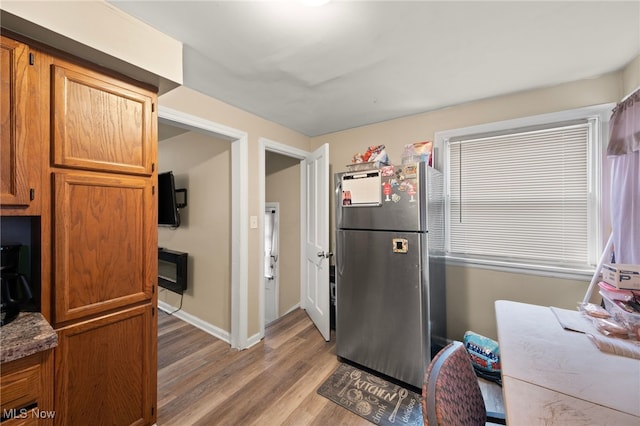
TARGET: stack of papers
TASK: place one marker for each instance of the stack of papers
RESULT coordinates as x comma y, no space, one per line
570,321
627,348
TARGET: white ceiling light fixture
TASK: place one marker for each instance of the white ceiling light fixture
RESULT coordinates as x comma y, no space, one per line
313,3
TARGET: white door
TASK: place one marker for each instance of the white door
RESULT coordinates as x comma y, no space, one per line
316,284
271,273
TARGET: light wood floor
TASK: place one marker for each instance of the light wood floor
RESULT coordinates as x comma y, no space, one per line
201,381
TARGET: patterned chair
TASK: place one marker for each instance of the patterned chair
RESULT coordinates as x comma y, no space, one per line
451,394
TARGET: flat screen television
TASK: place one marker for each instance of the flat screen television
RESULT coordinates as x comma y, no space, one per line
168,214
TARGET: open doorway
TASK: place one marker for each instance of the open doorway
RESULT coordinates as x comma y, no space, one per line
282,248
239,218
310,181
201,165
280,176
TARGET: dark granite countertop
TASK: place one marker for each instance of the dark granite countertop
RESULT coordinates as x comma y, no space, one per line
26,335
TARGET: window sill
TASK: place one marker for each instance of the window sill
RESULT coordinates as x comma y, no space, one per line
573,273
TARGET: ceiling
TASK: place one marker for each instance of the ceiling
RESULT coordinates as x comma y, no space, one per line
319,70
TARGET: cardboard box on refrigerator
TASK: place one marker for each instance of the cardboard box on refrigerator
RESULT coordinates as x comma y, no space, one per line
622,276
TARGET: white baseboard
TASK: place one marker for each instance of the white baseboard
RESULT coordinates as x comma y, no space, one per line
257,337
293,308
253,340
197,322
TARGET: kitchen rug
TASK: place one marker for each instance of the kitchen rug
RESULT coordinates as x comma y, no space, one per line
377,400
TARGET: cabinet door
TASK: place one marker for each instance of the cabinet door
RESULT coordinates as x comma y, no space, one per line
100,123
105,247
26,384
14,182
105,370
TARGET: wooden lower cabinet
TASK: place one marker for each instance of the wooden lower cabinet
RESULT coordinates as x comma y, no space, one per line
105,370
26,387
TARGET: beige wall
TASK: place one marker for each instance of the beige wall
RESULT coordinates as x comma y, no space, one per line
467,284
631,77
471,292
396,133
191,102
283,186
201,164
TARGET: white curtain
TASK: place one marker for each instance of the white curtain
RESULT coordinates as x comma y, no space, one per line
269,222
624,153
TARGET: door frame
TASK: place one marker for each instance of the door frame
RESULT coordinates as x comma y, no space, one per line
264,145
239,213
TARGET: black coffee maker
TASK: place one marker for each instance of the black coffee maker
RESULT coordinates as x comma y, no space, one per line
15,292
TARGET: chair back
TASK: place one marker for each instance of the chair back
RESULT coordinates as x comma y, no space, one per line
451,395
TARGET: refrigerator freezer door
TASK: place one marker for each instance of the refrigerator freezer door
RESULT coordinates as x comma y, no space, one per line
381,286
391,198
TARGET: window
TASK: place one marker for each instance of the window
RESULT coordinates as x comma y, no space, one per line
525,194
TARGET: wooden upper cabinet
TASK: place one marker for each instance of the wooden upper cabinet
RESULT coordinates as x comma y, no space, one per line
100,123
14,180
105,243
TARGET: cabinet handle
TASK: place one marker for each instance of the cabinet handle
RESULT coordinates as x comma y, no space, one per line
32,194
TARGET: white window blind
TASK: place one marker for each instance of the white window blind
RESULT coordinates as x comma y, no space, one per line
521,196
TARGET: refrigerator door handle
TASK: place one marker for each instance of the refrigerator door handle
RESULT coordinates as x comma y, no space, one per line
338,204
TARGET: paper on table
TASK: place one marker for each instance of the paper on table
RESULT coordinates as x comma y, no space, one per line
626,348
572,320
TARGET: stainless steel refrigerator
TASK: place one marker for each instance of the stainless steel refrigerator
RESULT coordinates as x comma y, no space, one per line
390,302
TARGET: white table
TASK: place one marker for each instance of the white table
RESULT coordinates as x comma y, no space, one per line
552,376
